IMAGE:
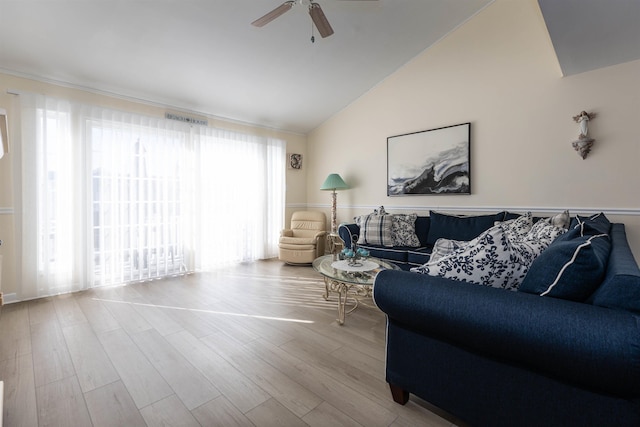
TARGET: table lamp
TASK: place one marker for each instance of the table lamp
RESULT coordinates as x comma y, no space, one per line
332,183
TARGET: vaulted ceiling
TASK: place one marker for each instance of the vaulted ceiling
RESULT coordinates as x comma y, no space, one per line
203,56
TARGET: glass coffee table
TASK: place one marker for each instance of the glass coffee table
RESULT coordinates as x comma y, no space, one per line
340,277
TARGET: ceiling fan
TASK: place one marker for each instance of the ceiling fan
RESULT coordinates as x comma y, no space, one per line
315,11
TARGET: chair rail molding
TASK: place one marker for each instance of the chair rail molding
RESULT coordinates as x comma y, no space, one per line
481,209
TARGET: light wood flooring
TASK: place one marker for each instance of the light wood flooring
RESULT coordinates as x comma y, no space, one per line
249,345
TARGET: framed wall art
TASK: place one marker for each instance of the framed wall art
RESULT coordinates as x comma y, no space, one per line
435,161
294,161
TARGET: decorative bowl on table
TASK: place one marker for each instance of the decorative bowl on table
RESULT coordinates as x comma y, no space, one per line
355,255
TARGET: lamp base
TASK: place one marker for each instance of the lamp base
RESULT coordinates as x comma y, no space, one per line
334,222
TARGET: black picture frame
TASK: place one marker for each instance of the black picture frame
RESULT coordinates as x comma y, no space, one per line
430,162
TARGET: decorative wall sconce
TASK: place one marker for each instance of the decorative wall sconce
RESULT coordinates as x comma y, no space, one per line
4,133
583,144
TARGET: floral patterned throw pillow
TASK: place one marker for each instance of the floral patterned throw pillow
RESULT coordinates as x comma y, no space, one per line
499,257
403,230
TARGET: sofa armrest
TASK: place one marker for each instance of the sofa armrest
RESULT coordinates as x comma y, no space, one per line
286,233
345,231
320,234
585,344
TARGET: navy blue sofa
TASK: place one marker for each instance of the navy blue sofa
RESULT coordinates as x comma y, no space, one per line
492,357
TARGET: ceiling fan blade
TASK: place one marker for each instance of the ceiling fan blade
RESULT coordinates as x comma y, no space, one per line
320,21
280,10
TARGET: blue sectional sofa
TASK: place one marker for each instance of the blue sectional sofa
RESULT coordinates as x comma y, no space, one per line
494,357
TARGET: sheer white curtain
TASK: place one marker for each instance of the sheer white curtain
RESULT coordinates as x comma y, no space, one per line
107,197
138,170
50,200
238,197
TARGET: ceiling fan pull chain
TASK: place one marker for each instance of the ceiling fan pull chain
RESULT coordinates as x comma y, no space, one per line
313,39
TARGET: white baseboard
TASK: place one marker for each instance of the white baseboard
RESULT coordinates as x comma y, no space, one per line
8,299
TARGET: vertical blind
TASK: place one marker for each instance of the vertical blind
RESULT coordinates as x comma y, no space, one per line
108,197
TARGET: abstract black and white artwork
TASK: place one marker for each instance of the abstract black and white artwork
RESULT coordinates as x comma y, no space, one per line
434,161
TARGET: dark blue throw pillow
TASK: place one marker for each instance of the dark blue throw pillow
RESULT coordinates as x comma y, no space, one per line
459,227
595,224
571,268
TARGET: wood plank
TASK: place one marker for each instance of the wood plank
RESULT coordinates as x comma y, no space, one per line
346,399
144,383
41,310
128,318
327,415
358,359
286,391
187,383
373,387
233,384
273,414
97,315
255,323
220,413
168,412
157,317
191,322
19,391
61,403
112,406
92,365
68,310
15,334
226,319
51,359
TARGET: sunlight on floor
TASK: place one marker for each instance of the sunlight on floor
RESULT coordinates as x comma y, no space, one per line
254,316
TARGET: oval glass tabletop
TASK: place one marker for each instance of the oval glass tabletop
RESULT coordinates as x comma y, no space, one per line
332,268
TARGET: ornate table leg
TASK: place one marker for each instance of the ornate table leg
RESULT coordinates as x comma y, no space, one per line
341,289
342,299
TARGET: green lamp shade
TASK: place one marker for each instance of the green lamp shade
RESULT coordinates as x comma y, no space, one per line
334,182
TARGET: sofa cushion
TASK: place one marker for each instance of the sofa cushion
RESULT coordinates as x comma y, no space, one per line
403,230
375,229
418,256
621,286
459,227
571,268
393,254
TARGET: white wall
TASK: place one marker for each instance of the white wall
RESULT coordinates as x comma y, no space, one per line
499,72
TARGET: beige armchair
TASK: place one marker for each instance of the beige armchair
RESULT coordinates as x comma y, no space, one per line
305,240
